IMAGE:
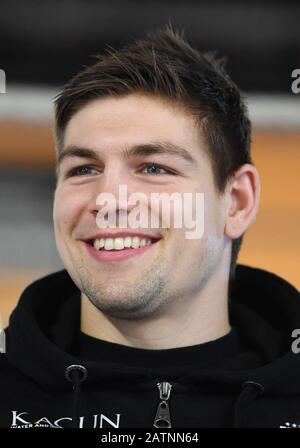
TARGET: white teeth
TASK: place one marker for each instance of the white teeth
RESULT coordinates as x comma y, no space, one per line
109,244
135,242
98,244
127,241
121,243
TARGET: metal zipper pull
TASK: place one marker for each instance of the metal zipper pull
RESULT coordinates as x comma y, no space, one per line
162,418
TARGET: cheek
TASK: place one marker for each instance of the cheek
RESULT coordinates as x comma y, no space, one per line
66,208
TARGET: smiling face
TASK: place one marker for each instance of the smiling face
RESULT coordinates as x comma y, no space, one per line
113,141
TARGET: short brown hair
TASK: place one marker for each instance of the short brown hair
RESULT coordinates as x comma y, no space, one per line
164,64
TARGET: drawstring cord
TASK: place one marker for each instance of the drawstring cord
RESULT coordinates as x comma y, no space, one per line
251,390
76,374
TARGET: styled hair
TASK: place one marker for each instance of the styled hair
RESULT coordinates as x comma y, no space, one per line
164,64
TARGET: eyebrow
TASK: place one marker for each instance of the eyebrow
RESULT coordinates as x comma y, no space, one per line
145,149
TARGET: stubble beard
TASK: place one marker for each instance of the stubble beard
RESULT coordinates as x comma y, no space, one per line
125,299
151,293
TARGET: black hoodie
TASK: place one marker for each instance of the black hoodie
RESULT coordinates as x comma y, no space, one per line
53,376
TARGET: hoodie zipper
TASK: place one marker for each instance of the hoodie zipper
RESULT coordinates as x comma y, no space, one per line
162,417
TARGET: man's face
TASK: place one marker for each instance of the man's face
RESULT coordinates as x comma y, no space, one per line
123,135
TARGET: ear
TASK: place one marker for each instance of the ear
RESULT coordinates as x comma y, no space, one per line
243,193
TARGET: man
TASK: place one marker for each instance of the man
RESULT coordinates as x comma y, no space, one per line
147,327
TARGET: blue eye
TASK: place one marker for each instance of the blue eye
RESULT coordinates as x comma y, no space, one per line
81,171
153,169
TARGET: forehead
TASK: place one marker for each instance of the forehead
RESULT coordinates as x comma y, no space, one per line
112,123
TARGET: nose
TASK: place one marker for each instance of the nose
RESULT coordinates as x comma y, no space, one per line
112,190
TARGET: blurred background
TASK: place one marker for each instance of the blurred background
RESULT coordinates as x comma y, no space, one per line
43,43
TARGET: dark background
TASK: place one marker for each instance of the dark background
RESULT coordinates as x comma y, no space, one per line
46,41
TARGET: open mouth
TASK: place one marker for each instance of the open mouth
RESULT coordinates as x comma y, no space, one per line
112,250
121,243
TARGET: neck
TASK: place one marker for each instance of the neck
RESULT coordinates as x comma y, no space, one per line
200,319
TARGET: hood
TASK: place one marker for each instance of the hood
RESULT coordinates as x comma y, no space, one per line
263,307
